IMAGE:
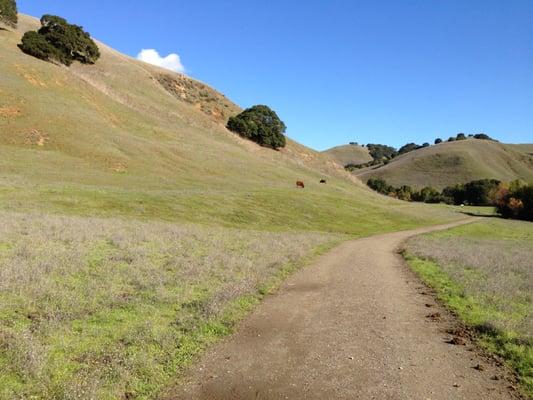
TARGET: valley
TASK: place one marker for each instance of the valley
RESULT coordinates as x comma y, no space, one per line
149,251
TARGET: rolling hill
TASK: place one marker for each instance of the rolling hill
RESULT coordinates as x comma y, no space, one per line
136,229
349,154
128,138
450,163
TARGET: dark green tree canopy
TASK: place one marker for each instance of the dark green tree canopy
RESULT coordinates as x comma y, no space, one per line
379,152
408,147
438,140
483,136
260,124
379,185
40,48
66,42
8,12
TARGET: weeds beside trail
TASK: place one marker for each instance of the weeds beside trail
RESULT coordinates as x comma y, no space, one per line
107,308
484,273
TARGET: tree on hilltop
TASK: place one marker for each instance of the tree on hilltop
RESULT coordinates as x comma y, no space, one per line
483,137
408,147
381,152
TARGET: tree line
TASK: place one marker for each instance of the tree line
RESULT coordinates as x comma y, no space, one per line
511,199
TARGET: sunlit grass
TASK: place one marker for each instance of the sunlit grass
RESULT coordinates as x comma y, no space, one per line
483,272
103,308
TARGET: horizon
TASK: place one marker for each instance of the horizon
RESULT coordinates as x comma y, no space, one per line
423,71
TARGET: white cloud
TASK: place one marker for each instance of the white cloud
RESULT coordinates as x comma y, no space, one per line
171,62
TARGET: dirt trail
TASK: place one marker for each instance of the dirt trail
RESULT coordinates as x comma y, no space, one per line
351,326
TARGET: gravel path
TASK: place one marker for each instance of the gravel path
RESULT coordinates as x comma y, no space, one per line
354,325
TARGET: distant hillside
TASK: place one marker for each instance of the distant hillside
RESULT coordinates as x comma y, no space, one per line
349,154
449,163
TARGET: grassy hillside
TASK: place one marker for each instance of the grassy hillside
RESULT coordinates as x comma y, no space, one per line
136,229
349,154
456,162
482,271
125,138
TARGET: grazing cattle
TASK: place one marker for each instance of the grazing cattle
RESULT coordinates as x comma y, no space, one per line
300,184
322,181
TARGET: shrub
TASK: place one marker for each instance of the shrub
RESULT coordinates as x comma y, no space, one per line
353,167
408,147
454,194
451,139
260,124
481,192
8,12
525,195
438,140
460,136
428,195
516,201
477,193
426,144
380,152
57,40
380,186
482,136
404,193
37,46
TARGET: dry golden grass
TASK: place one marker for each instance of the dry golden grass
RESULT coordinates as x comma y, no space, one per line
484,272
349,154
450,163
494,267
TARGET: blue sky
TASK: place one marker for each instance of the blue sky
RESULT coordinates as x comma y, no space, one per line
338,71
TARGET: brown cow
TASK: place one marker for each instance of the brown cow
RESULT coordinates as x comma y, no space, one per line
300,184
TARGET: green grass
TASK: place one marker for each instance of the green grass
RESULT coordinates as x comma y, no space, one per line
498,229
272,210
117,148
136,229
106,308
482,272
479,211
